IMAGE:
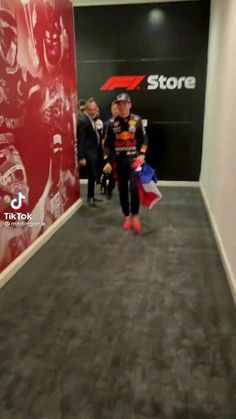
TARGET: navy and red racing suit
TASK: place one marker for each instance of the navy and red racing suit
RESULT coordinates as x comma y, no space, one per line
125,140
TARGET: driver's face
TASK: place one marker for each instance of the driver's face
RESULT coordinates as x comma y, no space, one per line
124,108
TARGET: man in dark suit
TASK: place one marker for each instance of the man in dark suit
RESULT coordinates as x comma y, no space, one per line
88,147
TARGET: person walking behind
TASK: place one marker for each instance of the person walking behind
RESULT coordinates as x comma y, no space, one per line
111,173
88,147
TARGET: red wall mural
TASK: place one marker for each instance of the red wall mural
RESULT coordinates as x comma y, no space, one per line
38,168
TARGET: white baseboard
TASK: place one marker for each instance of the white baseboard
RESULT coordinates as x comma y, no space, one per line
220,245
86,3
178,183
18,263
173,183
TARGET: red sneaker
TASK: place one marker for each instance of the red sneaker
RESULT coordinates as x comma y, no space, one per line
127,223
136,225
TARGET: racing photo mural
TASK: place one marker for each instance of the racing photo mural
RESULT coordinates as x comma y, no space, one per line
38,112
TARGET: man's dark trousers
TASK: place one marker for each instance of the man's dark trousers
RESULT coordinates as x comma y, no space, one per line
91,157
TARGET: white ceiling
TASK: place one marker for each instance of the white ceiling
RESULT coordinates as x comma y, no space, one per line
108,2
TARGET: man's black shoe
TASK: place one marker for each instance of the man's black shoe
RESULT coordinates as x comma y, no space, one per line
98,200
91,202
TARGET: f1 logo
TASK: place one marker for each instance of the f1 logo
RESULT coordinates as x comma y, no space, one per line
16,203
154,82
128,82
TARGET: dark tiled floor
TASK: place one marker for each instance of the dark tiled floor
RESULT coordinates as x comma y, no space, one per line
102,324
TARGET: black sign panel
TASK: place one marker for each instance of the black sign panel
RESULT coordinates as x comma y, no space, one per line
158,53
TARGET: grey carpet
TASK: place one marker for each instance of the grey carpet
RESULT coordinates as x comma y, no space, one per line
103,324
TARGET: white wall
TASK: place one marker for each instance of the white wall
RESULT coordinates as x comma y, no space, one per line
218,177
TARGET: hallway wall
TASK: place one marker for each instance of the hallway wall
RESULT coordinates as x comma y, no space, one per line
169,50
218,177
38,109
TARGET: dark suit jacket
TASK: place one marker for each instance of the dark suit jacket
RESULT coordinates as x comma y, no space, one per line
88,142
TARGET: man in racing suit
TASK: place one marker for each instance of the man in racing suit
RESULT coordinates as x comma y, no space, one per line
126,143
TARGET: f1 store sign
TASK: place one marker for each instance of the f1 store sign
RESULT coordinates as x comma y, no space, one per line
154,81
